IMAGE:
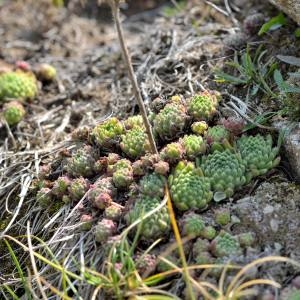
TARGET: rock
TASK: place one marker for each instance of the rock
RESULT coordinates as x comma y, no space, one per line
273,214
291,145
290,7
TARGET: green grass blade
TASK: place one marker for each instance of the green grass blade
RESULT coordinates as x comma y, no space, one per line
18,266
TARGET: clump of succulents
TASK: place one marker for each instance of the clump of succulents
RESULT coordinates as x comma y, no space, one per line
82,162
17,85
225,244
152,185
222,217
86,222
246,239
226,172
135,142
170,121
172,152
203,106
61,186
102,192
134,122
104,229
13,112
154,227
46,72
78,188
161,168
199,127
209,233
113,211
192,224
145,262
234,124
193,145
189,189
201,253
123,173
108,133
258,154
217,135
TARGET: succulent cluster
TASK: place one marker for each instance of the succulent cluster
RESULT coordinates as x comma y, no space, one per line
13,112
226,172
119,181
154,227
107,133
203,106
258,154
189,188
170,121
135,142
17,85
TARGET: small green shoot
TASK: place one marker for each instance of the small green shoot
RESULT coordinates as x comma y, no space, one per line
253,73
297,33
273,24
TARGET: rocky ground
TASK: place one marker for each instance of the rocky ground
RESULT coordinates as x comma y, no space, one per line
173,52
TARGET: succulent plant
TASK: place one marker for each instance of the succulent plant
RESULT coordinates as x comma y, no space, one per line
135,143
46,72
222,217
17,85
154,227
107,133
208,233
193,145
145,262
189,189
86,222
44,197
199,127
246,239
104,229
152,185
81,134
61,185
13,112
82,162
258,154
217,134
123,173
102,186
172,152
234,124
226,172
225,244
113,212
102,200
138,168
78,188
200,246
204,258
192,224
161,168
170,121
203,106
134,122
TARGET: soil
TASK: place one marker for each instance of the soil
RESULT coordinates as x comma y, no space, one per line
173,54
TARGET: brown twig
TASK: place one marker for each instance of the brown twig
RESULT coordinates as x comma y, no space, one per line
137,93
